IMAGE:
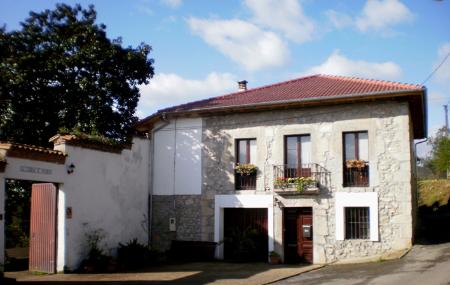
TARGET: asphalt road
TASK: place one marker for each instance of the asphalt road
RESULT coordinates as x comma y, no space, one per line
424,264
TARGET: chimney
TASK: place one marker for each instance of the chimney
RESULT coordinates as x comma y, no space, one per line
242,85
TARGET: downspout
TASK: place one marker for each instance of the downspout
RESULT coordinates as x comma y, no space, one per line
151,167
415,155
416,196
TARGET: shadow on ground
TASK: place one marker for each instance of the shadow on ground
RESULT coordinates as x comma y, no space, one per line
187,273
433,225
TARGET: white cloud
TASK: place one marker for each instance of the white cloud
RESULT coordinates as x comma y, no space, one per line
338,64
443,73
285,16
172,3
168,89
243,42
339,20
379,15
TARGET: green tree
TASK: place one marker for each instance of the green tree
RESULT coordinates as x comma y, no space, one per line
59,70
440,154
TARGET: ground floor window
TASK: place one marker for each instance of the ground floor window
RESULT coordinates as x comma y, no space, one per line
357,223
357,215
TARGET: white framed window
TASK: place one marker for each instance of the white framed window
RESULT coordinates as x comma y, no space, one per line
357,222
357,216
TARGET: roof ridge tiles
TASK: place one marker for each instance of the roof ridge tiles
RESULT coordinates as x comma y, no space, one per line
371,80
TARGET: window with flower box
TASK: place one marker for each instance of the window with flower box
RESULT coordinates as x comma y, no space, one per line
245,169
356,159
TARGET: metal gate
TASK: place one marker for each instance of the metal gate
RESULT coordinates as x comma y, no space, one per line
43,228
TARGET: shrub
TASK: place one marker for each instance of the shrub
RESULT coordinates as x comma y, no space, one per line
134,255
97,260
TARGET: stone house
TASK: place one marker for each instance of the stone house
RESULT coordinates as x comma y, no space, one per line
322,167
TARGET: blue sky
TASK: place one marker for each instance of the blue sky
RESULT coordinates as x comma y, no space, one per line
201,48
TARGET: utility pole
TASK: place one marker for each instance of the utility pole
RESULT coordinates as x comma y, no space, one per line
446,119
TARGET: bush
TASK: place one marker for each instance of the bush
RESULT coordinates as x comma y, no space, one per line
97,260
134,255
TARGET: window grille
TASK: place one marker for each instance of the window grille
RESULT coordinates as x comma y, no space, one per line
357,225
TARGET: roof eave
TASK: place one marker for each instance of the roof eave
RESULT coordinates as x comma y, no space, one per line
146,123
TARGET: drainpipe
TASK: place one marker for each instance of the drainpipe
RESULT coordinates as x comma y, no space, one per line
415,154
151,167
417,187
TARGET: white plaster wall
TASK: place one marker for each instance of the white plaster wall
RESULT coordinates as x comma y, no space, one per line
106,191
15,169
346,199
180,140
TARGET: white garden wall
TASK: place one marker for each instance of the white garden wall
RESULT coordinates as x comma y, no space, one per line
106,191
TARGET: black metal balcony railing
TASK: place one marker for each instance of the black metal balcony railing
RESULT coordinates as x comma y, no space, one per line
245,182
299,177
356,176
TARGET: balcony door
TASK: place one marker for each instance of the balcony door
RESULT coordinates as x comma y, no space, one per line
245,154
356,159
297,156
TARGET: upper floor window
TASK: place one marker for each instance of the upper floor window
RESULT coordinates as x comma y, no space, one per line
297,156
245,154
246,151
356,159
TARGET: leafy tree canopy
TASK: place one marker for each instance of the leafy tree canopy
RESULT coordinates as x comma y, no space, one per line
440,155
61,71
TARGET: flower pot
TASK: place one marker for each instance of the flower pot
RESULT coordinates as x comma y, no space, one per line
274,259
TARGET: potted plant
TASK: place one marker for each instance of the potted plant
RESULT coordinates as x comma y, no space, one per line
281,182
245,169
274,257
355,163
302,183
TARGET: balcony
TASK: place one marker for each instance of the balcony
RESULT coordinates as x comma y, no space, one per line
245,181
356,173
302,179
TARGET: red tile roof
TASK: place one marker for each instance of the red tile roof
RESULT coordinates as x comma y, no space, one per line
305,88
31,152
315,89
31,148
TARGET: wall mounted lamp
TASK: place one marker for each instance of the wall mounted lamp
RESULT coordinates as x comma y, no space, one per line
70,168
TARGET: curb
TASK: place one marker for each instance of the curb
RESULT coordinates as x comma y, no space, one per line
316,267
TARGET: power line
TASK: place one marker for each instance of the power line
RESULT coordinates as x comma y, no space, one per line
436,69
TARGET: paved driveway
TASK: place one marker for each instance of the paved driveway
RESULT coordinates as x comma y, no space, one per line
425,264
217,273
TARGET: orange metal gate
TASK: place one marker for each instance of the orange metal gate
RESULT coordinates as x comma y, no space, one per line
43,228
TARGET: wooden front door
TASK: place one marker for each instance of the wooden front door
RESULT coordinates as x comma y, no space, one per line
43,228
298,233
304,234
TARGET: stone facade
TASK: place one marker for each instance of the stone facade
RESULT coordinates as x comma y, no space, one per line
185,209
390,161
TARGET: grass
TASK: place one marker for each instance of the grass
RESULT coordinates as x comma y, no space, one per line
434,191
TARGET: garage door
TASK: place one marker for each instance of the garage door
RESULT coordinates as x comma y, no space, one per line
245,234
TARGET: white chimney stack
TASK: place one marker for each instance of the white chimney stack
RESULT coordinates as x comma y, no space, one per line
242,85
